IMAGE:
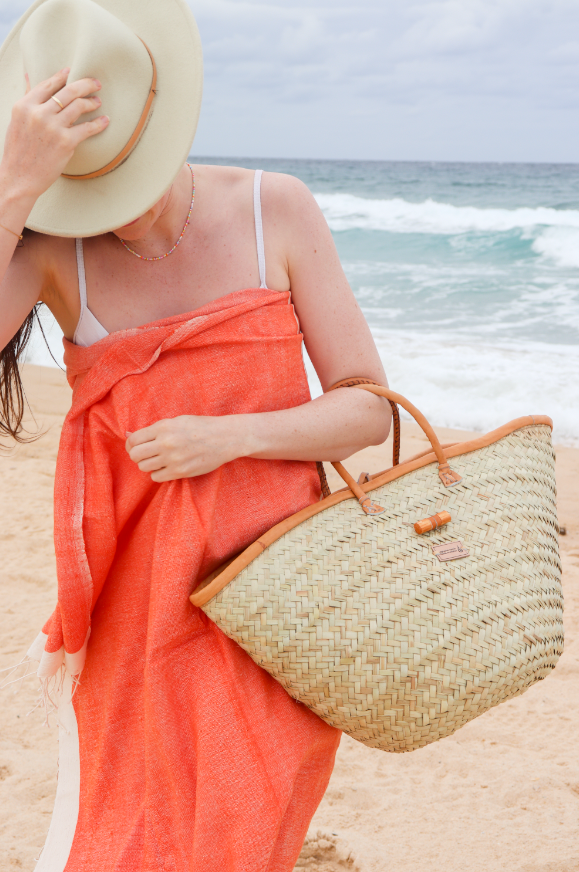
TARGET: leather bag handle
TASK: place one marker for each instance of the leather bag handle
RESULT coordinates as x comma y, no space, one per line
447,475
356,382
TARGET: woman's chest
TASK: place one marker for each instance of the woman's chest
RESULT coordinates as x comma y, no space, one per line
125,291
216,255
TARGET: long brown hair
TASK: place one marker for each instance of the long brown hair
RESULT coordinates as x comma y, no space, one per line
13,400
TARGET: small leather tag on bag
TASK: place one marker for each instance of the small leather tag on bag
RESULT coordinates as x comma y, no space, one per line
450,551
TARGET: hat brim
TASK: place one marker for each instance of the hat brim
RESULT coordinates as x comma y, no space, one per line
89,207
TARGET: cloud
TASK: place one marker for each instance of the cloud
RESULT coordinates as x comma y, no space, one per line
430,79
414,48
423,68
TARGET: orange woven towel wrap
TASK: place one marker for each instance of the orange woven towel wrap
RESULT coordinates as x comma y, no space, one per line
191,756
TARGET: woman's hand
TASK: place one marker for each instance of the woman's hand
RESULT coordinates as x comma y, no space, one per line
187,446
331,427
41,137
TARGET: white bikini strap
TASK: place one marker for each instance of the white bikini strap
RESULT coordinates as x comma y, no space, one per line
81,275
259,226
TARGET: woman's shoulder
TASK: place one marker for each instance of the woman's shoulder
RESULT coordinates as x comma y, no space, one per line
276,187
288,208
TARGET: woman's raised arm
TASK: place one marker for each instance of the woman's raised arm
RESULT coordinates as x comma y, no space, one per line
40,141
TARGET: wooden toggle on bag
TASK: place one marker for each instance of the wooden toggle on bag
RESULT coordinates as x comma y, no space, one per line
398,637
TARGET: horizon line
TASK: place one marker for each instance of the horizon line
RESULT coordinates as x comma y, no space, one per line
389,160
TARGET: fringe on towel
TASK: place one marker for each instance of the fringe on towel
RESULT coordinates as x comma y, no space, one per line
51,687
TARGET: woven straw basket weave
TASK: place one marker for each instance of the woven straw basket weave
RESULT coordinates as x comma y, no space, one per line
356,616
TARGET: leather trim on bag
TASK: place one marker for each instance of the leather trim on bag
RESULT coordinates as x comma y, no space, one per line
200,598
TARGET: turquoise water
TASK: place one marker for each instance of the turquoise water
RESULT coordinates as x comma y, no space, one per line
468,275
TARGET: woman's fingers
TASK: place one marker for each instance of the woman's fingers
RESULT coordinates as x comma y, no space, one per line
166,475
154,464
147,434
78,90
44,90
143,452
80,132
71,113
78,98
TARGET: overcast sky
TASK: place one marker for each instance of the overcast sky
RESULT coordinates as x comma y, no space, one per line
471,80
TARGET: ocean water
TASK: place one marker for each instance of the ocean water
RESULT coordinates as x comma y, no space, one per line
468,275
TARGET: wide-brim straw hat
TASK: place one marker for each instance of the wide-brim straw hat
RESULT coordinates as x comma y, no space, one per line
147,56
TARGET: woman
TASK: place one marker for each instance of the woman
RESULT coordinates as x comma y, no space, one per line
191,433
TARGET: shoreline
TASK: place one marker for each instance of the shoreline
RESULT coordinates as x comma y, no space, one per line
500,794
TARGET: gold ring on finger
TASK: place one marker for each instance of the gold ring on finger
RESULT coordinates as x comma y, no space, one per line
56,100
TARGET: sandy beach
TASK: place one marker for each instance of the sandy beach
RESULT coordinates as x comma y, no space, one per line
501,794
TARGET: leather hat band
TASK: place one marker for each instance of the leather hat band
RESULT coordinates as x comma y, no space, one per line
134,138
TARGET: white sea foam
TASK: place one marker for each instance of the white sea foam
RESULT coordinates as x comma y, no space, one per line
347,212
559,244
477,386
555,232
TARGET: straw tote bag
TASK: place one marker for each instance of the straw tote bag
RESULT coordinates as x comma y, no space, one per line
408,603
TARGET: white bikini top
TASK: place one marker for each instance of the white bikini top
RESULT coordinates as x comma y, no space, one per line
89,330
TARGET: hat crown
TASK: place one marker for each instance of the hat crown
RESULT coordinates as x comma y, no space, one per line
94,43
